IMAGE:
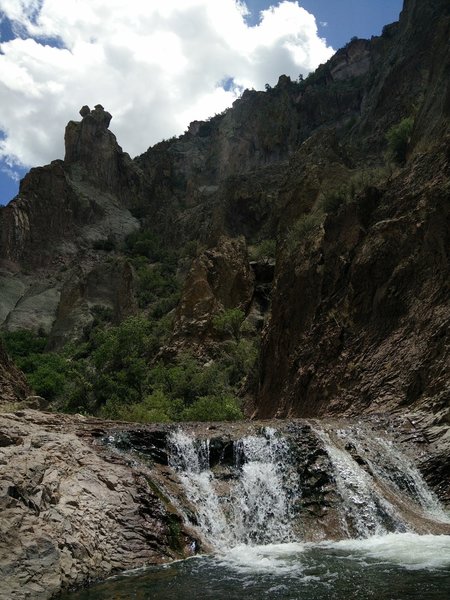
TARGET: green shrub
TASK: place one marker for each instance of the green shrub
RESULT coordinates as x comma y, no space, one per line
213,408
303,228
155,408
398,138
332,201
238,360
155,283
47,374
146,244
228,322
165,305
187,379
264,251
22,342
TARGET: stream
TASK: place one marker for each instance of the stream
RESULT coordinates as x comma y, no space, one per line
375,534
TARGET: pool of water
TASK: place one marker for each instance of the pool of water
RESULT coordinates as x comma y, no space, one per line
391,567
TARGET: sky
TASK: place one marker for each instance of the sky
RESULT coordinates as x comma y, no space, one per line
155,65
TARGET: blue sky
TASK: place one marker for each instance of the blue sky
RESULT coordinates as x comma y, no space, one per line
154,68
344,18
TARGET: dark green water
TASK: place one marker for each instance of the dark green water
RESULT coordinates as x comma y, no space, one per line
391,567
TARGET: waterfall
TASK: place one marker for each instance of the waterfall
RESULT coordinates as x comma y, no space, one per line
262,493
364,511
255,505
380,488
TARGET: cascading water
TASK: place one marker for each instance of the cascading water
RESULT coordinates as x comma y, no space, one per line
394,469
380,488
364,511
265,494
251,495
190,459
259,503
258,500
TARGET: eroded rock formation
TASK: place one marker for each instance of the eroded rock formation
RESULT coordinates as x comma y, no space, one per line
355,322
73,512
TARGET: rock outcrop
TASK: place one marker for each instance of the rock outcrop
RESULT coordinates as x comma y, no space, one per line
82,499
219,279
72,511
58,235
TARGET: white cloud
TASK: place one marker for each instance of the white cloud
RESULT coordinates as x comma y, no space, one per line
155,65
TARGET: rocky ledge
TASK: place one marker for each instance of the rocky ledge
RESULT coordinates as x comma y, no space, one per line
72,511
82,498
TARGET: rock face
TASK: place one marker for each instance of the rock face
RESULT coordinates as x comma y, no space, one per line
361,326
71,511
219,279
81,499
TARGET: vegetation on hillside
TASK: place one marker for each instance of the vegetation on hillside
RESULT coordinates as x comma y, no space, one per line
119,370
398,138
116,373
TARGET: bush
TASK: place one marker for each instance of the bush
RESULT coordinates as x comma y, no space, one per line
332,201
228,322
21,343
145,244
213,408
303,228
187,379
46,374
155,408
398,138
238,360
155,284
264,251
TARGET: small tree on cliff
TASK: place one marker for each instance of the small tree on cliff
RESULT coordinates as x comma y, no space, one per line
398,138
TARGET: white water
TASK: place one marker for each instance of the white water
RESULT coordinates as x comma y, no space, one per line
247,511
258,505
376,496
378,488
395,469
407,550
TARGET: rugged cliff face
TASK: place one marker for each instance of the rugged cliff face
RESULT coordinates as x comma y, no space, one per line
53,267
362,324
284,209
72,511
358,315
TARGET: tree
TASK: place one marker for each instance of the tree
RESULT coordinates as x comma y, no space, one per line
398,138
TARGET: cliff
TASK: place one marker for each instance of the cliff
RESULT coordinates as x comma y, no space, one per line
285,214
354,312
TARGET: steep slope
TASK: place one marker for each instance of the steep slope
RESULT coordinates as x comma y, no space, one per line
360,298
360,310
